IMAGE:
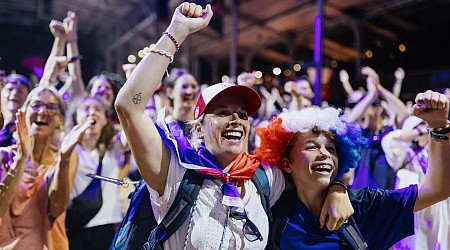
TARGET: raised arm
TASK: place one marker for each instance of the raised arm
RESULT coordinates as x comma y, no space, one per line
71,29
14,175
57,30
436,186
358,111
62,182
151,156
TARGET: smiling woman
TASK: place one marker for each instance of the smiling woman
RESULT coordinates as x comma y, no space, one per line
39,177
315,146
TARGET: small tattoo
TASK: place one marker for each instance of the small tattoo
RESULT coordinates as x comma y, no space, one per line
137,98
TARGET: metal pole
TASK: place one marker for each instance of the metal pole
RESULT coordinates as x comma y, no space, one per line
234,38
318,46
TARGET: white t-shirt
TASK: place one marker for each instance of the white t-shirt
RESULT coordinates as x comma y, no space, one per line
87,163
209,219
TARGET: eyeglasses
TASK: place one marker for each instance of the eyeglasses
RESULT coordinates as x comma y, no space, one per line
251,232
52,108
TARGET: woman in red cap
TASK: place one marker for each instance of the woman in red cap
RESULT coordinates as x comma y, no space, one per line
228,201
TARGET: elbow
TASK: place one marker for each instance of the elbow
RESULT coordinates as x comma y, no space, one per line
120,106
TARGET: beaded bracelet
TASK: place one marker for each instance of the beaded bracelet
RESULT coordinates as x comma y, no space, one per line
440,133
173,39
339,183
163,53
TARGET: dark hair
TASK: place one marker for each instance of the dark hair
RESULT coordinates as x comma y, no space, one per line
175,73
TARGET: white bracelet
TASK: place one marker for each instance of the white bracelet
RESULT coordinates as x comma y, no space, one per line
163,53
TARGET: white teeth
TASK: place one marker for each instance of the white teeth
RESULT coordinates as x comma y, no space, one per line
233,133
322,168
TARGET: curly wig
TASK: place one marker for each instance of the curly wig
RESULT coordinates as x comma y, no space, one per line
276,137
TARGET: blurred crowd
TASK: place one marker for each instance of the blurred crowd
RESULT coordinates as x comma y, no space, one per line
56,132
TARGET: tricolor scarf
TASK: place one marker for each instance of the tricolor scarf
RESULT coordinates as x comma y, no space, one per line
204,162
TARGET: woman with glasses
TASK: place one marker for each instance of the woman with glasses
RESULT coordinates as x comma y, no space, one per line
315,146
228,213
40,175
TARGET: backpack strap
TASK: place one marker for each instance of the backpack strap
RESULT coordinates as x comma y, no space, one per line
261,183
351,236
178,212
282,211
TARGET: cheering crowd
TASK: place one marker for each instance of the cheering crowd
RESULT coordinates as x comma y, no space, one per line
233,165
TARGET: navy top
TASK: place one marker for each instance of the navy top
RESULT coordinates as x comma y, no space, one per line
383,217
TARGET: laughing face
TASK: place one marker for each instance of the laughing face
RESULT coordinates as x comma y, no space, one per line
13,97
225,129
43,115
312,161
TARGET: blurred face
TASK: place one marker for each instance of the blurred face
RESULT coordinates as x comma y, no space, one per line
43,115
103,89
312,161
225,128
13,97
184,93
304,88
92,109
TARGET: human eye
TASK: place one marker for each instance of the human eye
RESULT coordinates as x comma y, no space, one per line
243,115
310,146
53,106
223,113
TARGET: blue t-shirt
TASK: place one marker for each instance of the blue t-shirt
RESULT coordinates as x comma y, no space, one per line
383,217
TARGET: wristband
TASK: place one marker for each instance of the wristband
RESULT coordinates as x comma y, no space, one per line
339,183
440,133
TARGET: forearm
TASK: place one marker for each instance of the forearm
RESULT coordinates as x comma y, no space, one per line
436,186
144,80
11,181
358,111
60,188
396,106
397,88
75,68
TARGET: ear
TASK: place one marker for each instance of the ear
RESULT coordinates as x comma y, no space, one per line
198,130
286,165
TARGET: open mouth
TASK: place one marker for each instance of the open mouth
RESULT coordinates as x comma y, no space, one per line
323,168
234,136
41,123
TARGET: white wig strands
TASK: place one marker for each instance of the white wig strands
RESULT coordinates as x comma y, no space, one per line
326,119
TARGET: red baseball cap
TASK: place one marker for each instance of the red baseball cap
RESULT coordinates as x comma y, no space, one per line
209,95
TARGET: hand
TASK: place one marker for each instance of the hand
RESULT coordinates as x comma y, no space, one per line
399,74
190,17
246,78
433,108
24,144
57,29
373,80
343,76
128,69
71,26
72,138
336,209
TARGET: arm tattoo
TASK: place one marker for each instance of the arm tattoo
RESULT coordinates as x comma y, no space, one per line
137,98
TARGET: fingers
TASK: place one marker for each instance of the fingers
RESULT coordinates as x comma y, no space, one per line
431,100
323,218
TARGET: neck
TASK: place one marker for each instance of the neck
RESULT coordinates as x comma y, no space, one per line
312,198
183,114
40,147
89,141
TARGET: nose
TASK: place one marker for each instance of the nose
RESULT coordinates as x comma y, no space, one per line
235,119
90,111
324,152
